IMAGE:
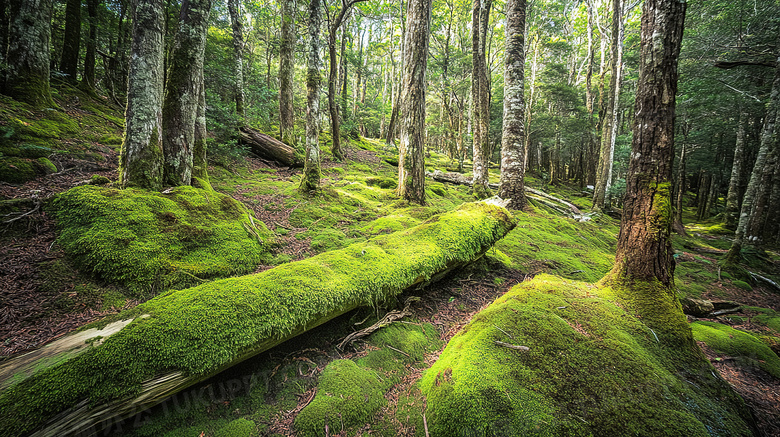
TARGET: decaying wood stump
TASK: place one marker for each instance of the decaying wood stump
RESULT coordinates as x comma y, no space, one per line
87,381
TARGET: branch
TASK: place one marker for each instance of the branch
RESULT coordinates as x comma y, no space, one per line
727,65
741,92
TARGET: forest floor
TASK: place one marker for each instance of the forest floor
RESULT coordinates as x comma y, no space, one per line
45,296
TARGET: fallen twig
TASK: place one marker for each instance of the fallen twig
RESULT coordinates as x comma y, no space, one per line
512,346
389,318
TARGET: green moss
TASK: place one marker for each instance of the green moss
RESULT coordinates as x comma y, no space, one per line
385,183
742,345
198,330
544,242
742,285
99,180
591,369
17,170
390,223
347,395
150,242
237,428
47,166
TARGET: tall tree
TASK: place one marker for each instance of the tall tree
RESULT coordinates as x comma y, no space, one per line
609,122
234,9
644,266
392,126
731,215
180,106
199,163
71,40
286,68
411,159
333,107
141,157
27,68
311,170
480,93
511,185
88,80
767,144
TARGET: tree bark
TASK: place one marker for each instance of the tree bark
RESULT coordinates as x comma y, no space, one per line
677,224
411,159
286,69
141,157
767,143
268,147
234,9
609,125
731,215
88,80
480,97
71,40
29,33
180,107
199,162
311,170
511,185
644,249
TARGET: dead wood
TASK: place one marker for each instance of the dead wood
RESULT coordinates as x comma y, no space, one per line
266,146
388,319
512,346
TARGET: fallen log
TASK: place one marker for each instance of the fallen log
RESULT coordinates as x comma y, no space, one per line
269,147
183,337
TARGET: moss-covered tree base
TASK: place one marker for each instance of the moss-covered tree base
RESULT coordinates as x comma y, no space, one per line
593,368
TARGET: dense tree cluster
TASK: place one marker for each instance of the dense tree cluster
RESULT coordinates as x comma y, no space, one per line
268,64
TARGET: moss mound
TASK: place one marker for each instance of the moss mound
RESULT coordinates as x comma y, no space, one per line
347,395
592,369
742,345
151,242
198,330
237,428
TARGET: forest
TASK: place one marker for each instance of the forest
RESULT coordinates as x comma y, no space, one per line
389,217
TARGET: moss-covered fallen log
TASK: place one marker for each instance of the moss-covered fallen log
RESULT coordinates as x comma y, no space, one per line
269,147
183,337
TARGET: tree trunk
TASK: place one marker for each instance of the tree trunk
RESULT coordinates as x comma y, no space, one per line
609,126
511,185
411,159
768,142
71,41
333,108
759,214
180,107
234,8
190,335
27,72
677,224
480,96
286,69
644,266
4,23
731,215
702,195
311,171
88,80
199,162
141,157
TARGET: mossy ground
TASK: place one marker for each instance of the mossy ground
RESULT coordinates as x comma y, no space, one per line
152,242
81,127
592,369
357,202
